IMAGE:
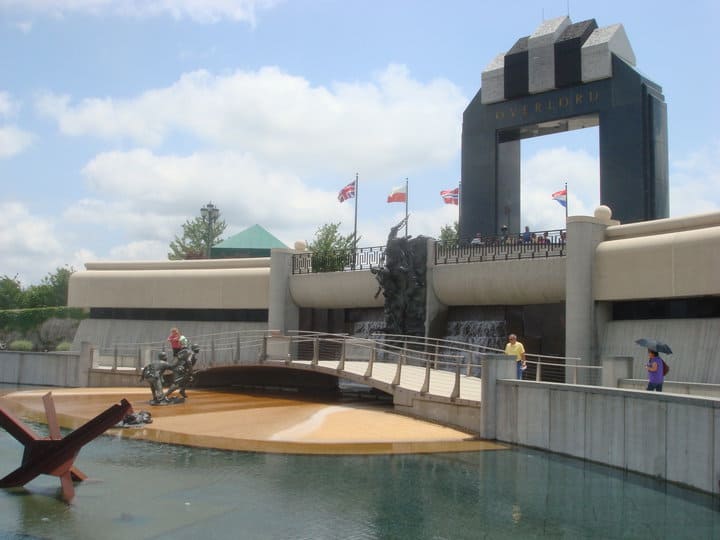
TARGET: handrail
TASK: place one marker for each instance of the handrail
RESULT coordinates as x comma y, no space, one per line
236,348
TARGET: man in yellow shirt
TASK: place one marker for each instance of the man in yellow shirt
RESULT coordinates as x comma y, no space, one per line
516,349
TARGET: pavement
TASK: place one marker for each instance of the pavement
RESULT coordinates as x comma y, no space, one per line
275,423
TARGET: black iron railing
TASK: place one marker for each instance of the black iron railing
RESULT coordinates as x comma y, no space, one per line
339,261
531,245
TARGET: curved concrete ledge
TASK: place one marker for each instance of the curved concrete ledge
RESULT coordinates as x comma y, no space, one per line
334,290
197,288
197,264
667,265
666,225
525,281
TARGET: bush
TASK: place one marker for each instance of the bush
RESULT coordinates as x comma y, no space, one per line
24,320
20,345
63,346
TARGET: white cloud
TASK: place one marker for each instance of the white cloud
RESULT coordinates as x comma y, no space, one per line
27,243
24,26
13,141
546,172
205,11
695,182
6,104
282,119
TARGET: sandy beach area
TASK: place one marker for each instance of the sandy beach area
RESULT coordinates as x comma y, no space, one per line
231,420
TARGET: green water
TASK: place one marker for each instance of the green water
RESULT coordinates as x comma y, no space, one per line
139,490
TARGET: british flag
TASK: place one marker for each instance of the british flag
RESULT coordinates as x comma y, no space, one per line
451,196
348,192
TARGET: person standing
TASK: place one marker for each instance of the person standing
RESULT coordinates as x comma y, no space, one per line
177,341
516,349
655,370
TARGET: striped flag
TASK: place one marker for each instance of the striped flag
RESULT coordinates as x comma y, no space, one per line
561,197
348,192
398,194
451,196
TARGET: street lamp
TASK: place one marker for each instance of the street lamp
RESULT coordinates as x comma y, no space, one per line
209,213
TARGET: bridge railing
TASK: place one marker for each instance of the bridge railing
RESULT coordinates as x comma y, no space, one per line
251,347
541,367
216,349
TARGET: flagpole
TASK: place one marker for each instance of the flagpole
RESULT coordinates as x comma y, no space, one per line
566,205
357,186
407,196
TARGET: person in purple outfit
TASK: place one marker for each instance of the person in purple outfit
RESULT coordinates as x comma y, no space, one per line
654,367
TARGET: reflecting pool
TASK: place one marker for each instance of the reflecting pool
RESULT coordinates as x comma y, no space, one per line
139,490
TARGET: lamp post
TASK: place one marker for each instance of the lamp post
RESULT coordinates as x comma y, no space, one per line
209,213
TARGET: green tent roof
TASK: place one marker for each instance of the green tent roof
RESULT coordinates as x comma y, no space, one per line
254,237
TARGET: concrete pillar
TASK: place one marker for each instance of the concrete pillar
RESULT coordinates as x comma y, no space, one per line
435,311
616,368
283,313
584,233
494,367
85,363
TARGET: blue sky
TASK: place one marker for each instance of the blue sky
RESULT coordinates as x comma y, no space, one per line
119,120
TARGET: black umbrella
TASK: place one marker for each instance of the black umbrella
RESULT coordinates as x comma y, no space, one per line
654,345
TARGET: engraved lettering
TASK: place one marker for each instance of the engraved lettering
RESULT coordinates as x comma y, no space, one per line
538,107
593,97
499,115
563,102
578,99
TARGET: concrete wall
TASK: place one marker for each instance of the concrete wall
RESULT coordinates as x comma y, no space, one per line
663,435
521,282
45,369
670,265
333,290
202,284
695,344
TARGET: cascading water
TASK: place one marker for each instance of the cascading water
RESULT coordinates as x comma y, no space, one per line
489,334
365,329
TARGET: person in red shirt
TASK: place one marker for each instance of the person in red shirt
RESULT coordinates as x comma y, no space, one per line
176,340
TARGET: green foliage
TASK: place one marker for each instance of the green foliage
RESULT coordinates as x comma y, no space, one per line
193,244
63,346
331,251
24,320
52,291
450,234
10,292
20,345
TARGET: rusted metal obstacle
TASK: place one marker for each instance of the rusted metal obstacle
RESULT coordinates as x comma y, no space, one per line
56,455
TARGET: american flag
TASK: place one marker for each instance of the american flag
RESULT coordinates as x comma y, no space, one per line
451,196
348,192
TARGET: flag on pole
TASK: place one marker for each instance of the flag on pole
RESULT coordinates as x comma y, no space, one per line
451,196
561,197
398,194
348,192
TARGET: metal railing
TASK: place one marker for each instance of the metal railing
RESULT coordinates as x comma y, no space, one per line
345,260
532,245
256,347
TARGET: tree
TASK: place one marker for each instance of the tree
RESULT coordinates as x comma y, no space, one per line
193,244
331,251
10,292
450,234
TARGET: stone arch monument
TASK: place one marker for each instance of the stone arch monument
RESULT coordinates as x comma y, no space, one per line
564,76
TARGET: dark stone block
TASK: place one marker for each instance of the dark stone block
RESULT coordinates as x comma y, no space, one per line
516,70
568,59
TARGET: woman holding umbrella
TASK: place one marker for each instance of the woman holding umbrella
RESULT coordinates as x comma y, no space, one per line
654,367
